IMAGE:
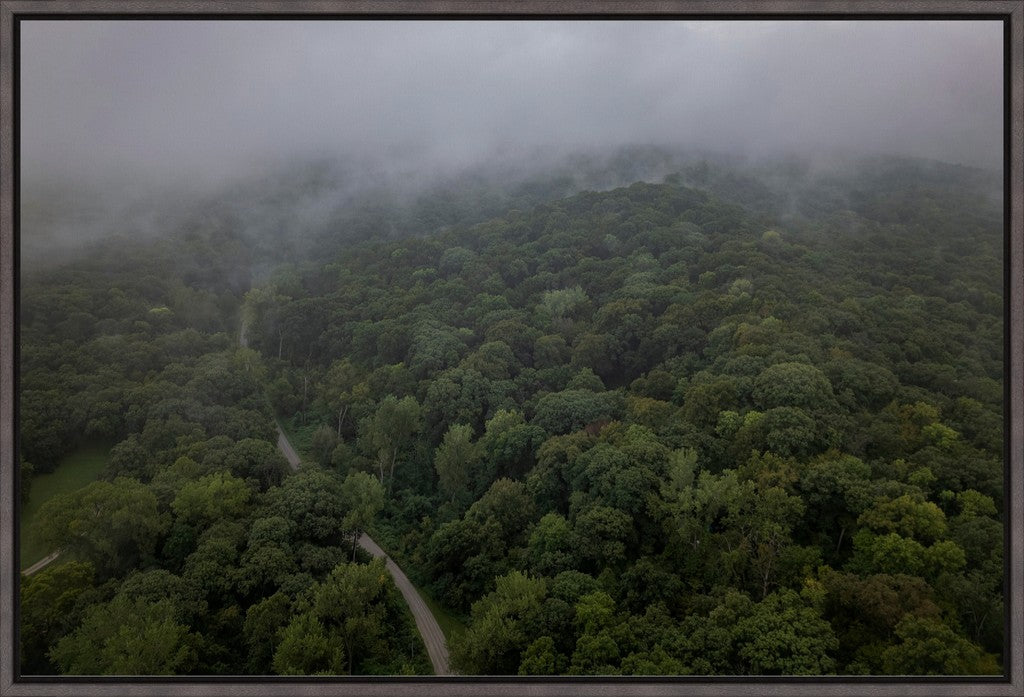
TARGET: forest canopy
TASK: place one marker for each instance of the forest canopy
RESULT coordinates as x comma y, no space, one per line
744,419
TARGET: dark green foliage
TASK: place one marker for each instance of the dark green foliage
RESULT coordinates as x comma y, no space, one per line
746,421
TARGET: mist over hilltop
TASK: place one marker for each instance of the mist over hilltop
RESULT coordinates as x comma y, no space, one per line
148,127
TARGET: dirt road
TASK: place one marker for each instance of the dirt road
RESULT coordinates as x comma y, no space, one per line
433,637
40,564
287,450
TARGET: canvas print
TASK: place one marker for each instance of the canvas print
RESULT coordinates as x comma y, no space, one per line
511,347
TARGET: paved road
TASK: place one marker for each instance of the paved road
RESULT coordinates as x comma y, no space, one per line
40,564
433,637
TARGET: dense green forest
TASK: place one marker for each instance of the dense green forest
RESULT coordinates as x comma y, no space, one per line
742,418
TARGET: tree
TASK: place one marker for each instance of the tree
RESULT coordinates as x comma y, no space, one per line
553,546
129,458
793,385
784,636
306,648
338,386
541,658
211,498
113,524
929,647
390,432
498,632
455,460
269,557
604,534
323,443
312,500
571,410
51,606
836,490
464,556
363,496
265,622
350,603
25,482
259,460
509,445
907,515
127,637
781,635
213,566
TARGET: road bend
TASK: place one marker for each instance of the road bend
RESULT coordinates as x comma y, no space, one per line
433,637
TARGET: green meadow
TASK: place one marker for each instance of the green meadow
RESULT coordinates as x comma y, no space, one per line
75,470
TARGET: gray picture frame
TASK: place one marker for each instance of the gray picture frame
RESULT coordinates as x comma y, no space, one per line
14,11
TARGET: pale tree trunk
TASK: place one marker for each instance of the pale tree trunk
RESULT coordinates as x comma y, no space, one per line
840,543
341,417
391,472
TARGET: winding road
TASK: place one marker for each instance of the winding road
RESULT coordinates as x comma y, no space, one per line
433,637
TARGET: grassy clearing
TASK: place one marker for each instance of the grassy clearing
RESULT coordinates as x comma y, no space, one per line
74,471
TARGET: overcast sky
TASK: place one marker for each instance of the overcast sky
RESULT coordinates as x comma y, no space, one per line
193,99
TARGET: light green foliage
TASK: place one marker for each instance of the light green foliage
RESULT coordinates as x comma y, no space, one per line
509,447
211,498
974,504
269,556
347,626
892,554
255,459
557,308
782,636
499,633
494,360
553,546
907,515
312,499
213,566
455,460
389,432
465,555
608,532
323,443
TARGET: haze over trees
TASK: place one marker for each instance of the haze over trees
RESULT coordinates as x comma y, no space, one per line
660,347
745,418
